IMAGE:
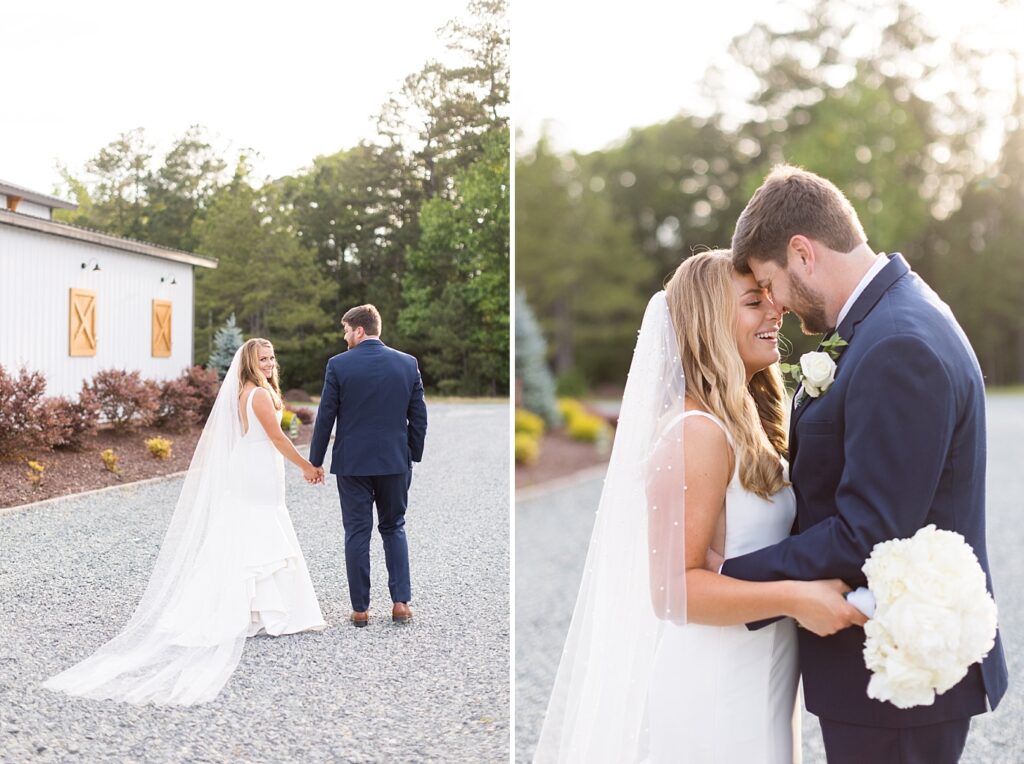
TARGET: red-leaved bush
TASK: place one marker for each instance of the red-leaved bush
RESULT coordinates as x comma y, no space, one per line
305,415
24,424
124,398
177,405
71,422
205,386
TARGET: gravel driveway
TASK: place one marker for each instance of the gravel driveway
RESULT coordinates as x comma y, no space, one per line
436,689
553,531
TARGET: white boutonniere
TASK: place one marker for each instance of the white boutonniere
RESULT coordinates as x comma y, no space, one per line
816,371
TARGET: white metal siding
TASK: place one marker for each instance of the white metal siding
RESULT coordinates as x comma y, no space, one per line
29,208
35,210
37,271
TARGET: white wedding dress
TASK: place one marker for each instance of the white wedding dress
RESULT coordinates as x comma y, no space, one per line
725,694
229,567
250,575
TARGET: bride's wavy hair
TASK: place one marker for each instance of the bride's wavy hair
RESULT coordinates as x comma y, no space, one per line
249,370
703,305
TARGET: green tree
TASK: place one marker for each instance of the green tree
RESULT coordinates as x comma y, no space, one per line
579,266
456,316
440,115
112,198
179,192
356,210
263,276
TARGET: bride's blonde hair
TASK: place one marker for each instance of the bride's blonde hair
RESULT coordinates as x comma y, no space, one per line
249,370
703,305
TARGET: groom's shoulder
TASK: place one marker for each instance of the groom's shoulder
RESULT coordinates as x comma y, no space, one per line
403,357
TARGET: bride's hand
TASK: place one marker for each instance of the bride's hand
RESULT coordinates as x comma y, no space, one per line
311,474
821,607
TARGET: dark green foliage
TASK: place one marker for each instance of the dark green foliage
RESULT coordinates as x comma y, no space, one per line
456,285
296,252
598,233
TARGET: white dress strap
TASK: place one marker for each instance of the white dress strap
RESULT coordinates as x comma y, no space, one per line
249,414
714,419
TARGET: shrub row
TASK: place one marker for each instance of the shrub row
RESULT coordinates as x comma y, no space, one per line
529,429
31,422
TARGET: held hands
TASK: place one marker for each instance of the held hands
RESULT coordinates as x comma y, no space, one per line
312,475
821,607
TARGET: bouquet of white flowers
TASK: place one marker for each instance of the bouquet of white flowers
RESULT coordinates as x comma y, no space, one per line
933,616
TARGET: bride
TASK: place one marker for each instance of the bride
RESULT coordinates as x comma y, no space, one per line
658,664
230,565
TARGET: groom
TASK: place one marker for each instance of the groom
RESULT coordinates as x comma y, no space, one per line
896,442
375,397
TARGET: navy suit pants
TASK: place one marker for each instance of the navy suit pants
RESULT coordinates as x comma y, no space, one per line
941,743
391,495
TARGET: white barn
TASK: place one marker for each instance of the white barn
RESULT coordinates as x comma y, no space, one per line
74,301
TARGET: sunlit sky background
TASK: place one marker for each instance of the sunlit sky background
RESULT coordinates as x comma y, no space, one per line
587,77
290,80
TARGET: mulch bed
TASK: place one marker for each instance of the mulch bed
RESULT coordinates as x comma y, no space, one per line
69,472
560,455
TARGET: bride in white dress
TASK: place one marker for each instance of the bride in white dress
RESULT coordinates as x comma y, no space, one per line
658,664
230,565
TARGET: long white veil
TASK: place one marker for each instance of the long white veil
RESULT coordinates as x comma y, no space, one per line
634,580
157,658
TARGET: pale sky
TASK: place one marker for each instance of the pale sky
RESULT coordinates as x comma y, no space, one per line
289,79
591,74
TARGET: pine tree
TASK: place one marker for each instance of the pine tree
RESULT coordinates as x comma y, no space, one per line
531,366
227,340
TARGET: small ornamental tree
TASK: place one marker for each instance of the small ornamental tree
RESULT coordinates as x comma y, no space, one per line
538,384
226,342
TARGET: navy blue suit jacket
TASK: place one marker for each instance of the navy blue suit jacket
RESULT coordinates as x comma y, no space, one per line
897,442
375,395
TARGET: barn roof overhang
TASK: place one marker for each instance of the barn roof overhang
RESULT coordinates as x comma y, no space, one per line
11,189
78,233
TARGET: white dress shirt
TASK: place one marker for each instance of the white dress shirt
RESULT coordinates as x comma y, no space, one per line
881,260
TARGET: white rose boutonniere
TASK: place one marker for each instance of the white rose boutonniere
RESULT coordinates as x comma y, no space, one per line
816,371
819,372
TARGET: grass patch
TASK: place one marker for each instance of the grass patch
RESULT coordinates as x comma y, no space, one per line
463,399
1005,390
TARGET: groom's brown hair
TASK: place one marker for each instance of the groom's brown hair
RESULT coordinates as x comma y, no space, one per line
366,316
793,201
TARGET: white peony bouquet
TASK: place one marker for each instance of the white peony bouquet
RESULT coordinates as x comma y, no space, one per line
933,616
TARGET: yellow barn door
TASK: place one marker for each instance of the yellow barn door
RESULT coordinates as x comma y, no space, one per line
82,328
161,329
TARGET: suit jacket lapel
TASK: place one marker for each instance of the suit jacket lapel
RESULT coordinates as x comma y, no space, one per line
879,285
889,275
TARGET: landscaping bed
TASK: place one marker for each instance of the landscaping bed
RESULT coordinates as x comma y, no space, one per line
560,455
68,472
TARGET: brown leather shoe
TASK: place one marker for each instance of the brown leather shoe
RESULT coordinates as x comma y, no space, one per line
360,618
400,613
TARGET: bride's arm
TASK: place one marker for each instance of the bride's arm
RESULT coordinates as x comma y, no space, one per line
722,601
263,407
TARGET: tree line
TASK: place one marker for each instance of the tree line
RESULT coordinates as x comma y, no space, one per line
415,221
598,233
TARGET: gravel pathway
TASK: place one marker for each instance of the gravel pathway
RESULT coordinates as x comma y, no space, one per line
553,531
436,689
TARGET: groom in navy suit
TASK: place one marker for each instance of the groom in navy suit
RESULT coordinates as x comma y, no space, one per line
373,395
894,443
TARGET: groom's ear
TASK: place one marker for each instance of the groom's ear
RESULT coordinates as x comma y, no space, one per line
802,254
